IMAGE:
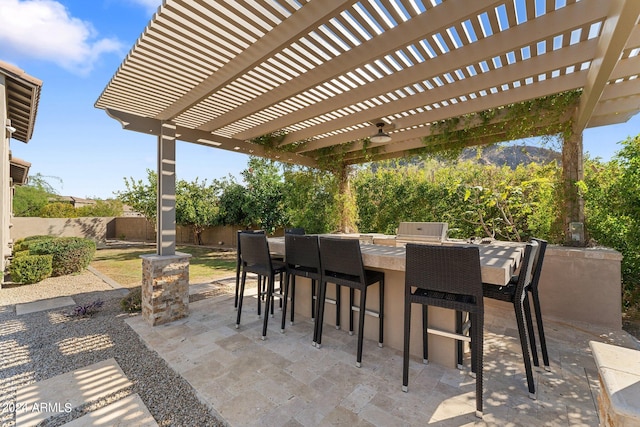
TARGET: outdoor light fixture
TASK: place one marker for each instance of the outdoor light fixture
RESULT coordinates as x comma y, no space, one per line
380,137
11,129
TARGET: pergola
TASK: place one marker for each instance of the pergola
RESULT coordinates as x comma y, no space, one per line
301,81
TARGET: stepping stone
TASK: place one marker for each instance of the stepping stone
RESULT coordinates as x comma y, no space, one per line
45,304
130,411
39,401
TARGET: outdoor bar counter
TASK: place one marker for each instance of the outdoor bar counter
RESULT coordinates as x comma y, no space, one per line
498,262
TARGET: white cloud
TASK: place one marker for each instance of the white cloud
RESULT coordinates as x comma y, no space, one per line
43,29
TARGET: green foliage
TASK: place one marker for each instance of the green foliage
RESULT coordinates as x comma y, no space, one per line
132,303
611,193
233,204
475,200
141,195
58,210
546,116
196,206
28,200
28,269
70,254
18,254
309,199
102,208
265,197
25,243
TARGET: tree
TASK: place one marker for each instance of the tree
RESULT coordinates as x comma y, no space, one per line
611,193
233,204
102,208
58,210
309,199
265,204
196,206
29,199
141,196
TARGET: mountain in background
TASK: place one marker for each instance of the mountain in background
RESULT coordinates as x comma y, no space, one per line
511,156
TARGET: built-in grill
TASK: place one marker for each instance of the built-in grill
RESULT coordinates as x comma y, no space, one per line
421,232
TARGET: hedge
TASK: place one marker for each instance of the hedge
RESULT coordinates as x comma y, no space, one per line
28,269
70,254
25,243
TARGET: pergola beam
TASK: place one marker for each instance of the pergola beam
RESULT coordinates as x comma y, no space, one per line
154,127
617,28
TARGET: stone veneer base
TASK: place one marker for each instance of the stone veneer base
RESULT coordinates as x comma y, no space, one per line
165,287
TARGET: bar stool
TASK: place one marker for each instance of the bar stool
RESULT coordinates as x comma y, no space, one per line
533,290
239,265
302,258
257,259
447,277
516,294
341,262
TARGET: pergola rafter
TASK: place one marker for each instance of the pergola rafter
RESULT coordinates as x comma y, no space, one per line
321,74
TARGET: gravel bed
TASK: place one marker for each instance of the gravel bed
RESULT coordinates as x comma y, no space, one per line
31,351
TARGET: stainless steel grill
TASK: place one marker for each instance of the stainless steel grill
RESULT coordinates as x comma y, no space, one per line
422,232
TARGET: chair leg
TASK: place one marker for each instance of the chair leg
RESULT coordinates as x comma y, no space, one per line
270,295
259,295
459,343
543,341
338,306
313,294
238,268
474,363
363,304
407,335
351,298
524,344
317,330
532,336
293,298
268,301
287,279
381,318
281,274
241,297
477,348
425,334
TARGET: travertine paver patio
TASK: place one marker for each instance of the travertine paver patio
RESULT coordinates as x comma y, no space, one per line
286,381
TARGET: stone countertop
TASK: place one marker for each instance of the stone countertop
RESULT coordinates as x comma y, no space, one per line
498,263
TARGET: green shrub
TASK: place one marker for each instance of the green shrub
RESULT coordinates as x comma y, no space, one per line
18,254
25,243
70,254
29,269
132,303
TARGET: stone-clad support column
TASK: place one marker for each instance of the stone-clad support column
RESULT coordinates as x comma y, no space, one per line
165,276
165,287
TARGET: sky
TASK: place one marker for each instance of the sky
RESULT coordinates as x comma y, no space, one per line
75,47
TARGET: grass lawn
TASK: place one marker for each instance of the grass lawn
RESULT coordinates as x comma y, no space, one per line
125,266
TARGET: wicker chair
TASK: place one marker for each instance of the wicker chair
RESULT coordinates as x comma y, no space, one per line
533,290
447,277
256,259
342,264
302,258
516,294
239,266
